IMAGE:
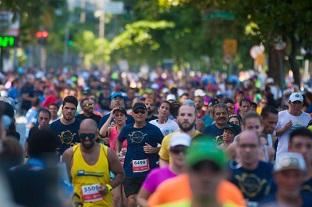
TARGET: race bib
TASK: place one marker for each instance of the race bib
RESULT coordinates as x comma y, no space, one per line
90,193
139,166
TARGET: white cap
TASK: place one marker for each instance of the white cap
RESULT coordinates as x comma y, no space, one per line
289,161
199,92
171,97
180,138
296,96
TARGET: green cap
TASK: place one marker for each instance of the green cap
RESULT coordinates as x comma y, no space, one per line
206,149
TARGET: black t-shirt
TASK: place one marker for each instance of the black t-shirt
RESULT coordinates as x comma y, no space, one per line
213,131
95,117
137,162
68,134
254,184
307,186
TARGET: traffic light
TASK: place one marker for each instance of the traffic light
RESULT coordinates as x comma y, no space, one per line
70,40
42,37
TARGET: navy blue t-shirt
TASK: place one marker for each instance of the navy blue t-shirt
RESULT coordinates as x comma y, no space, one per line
254,184
272,201
213,131
307,186
137,162
68,134
129,120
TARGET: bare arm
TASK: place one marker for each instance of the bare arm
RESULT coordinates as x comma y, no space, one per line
105,130
142,197
282,130
67,159
116,168
163,163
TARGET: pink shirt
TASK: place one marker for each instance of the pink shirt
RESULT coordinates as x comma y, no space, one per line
156,177
113,136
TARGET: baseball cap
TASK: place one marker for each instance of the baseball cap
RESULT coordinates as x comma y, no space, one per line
179,138
205,149
296,96
116,94
139,105
289,161
121,109
199,92
170,97
233,128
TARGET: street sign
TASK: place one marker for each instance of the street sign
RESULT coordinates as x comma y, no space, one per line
224,15
230,47
7,41
114,7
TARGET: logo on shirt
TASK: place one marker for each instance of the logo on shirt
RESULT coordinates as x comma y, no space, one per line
251,185
67,137
137,137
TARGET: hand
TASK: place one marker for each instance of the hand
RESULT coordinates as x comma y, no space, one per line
148,149
288,125
103,190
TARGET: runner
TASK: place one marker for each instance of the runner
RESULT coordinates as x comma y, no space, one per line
44,117
87,106
220,116
204,181
300,141
289,120
178,145
67,126
143,139
186,120
88,165
251,175
163,122
289,173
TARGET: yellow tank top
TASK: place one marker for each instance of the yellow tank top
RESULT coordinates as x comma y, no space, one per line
86,178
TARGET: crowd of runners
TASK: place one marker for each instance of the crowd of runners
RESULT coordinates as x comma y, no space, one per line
95,138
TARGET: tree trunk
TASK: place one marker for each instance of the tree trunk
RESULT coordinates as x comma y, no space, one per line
274,70
292,59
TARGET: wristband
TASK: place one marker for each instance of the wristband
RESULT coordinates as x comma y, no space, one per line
109,187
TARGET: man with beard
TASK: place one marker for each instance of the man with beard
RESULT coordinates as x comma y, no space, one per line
89,165
251,175
87,105
186,120
150,105
220,116
67,126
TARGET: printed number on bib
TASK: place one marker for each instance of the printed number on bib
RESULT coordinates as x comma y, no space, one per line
140,166
90,193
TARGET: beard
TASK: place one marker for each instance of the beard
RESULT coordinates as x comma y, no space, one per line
87,146
186,128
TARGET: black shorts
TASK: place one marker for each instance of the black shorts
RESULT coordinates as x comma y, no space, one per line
132,185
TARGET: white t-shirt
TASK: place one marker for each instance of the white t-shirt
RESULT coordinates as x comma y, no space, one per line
166,128
297,121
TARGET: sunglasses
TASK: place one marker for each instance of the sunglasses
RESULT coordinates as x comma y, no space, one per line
206,166
296,102
142,111
84,136
178,150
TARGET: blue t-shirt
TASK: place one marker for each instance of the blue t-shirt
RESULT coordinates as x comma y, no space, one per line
213,131
68,134
129,120
254,184
137,162
271,200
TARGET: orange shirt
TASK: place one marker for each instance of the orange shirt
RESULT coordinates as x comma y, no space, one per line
178,188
